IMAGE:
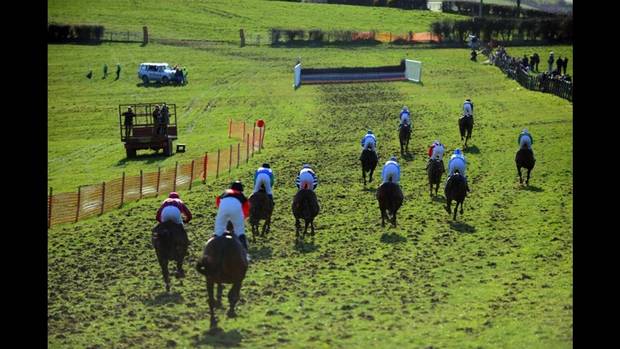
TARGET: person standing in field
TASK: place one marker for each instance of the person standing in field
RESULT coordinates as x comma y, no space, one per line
129,115
105,70
550,61
118,71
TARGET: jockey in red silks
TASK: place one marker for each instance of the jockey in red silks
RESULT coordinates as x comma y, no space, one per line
233,206
171,210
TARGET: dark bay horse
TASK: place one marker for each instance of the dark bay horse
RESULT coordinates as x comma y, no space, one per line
223,262
171,243
305,206
456,189
434,170
260,208
525,158
369,161
466,126
404,134
390,198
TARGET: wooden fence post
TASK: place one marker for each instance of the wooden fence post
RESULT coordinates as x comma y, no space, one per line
238,151
49,209
230,159
253,133
243,131
176,169
247,149
260,135
204,168
229,127
191,176
141,183
102,197
77,211
158,177
217,170
122,190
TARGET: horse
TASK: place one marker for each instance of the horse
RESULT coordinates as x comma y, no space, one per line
171,243
223,262
434,170
369,161
525,158
404,134
466,125
305,206
390,198
456,189
261,207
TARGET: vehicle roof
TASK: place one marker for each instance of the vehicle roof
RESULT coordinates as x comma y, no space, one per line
154,64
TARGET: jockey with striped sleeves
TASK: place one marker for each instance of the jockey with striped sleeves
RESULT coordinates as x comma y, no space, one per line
306,179
391,171
264,177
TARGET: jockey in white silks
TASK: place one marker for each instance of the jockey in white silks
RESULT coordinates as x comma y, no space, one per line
264,177
233,206
525,138
435,152
369,141
457,162
306,179
391,171
405,117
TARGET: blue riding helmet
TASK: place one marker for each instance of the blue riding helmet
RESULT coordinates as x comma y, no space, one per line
393,158
369,132
457,151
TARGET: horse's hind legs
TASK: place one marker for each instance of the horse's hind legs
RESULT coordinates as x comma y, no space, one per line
233,298
179,272
211,305
520,177
218,299
461,207
527,181
164,270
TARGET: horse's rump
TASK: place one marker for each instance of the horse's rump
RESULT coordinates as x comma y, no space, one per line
260,206
525,158
390,196
455,187
305,204
435,170
170,240
369,159
223,259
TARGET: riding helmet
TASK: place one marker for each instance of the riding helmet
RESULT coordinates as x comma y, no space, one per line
173,195
265,165
236,185
457,151
369,132
305,166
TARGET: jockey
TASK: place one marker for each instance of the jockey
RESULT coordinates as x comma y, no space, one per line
525,138
404,117
171,210
233,206
391,171
435,152
457,162
369,141
306,179
468,108
264,176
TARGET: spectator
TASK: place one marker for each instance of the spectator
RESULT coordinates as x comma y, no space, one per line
537,60
129,115
525,61
165,119
156,118
118,71
90,74
105,70
565,65
532,62
550,61
178,75
473,55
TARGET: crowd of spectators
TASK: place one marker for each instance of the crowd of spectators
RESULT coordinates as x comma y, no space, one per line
529,65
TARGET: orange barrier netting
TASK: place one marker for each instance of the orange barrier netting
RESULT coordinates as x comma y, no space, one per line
93,200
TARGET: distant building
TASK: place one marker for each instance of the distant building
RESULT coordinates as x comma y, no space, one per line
434,6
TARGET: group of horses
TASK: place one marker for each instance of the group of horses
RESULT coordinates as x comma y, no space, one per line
223,259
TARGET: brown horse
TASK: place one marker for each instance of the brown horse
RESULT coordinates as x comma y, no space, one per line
456,189
404,134
171,243
261,207
369,161
525,158
305,206
466,126
390,198
223,262
434,170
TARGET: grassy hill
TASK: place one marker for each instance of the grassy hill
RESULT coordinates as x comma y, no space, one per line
501,276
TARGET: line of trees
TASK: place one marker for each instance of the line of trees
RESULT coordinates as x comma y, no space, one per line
287,36
557,29
74,33
403,4
505,11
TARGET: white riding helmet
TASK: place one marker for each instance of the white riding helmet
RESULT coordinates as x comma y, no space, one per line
305,166
525,130
405,108
436,142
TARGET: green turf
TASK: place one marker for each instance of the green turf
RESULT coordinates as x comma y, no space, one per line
498,277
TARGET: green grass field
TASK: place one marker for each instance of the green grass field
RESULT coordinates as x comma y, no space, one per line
498,277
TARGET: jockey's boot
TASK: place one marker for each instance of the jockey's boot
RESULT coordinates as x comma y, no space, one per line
244,243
